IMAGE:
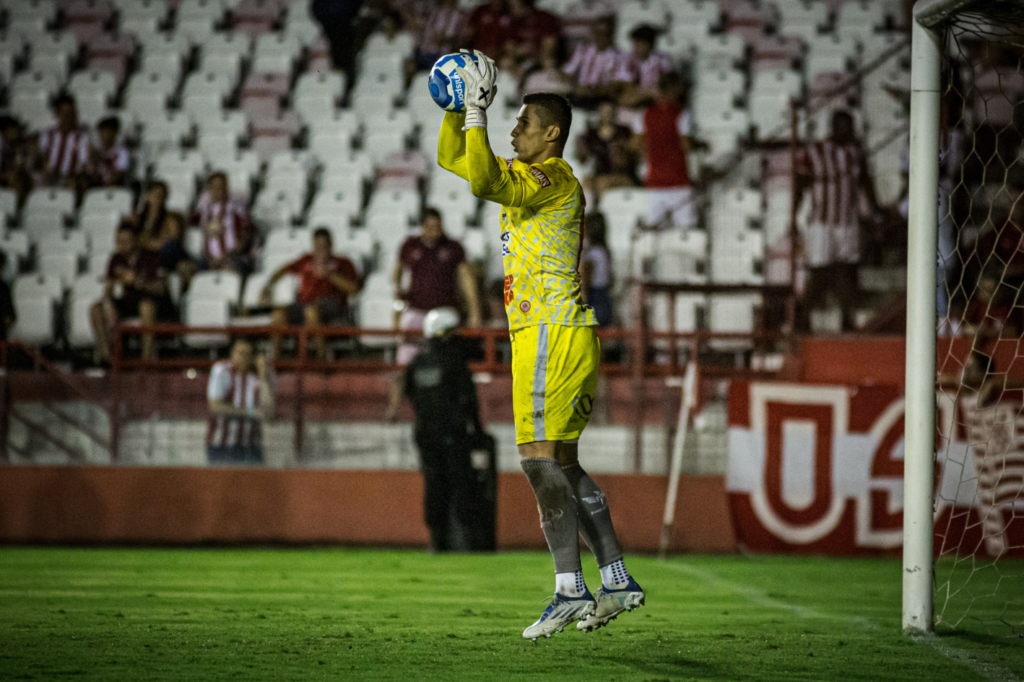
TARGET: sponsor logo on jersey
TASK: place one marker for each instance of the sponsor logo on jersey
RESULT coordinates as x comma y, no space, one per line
505,251
509,294
541,178
525,306
506,237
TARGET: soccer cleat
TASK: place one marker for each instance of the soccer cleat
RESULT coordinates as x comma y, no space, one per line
560,612
612,602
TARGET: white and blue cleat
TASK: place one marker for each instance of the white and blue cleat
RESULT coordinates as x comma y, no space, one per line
612,602
560,612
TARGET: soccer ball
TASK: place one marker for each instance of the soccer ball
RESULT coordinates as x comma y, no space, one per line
447,89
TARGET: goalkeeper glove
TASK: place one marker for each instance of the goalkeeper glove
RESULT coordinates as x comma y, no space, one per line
479,78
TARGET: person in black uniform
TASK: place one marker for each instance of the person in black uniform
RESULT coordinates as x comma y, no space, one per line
440,387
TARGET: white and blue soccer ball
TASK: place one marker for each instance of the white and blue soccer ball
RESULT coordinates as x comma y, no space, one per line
446,87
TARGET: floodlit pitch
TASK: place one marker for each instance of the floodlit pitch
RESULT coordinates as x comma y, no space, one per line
212,614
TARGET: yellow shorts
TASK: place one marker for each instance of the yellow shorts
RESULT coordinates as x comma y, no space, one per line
554,374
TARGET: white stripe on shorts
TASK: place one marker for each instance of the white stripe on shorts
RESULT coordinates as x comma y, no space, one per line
540,380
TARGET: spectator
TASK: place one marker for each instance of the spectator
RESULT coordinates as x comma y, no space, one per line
149,214
338,19
596,270
610,145
108,160
63,152
548,75
171,247
490,25
990,314
595,66
134,288
228,235
664,135
579,17
326,280
441,30
8,316
835,171
642,68
437,270
14,158
241,395
534,31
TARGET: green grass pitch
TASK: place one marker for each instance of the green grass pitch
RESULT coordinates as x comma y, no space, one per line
350,614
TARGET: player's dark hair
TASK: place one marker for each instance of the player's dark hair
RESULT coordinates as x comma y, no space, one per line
429,212
127,227
322,232
110,123
644,33
553,110
217,174
8,122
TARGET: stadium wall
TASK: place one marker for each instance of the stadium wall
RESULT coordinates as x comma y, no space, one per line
169,506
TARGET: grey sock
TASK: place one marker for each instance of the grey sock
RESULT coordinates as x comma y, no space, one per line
558,512
595,519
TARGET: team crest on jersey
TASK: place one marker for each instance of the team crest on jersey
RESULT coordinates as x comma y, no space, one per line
524,306
541,178
508,162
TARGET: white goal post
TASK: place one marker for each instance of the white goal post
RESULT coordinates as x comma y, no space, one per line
922,228
935,27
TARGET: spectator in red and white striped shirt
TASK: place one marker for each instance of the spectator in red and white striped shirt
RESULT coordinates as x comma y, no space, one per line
595,65
442,29
241,396
641,69
228,235
835,171
63,152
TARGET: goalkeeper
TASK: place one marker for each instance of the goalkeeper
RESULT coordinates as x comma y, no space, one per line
555,351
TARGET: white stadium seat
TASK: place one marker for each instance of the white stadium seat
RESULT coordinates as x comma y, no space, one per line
210,297
36,298
334,207
86,290
100,228
179,161
282,294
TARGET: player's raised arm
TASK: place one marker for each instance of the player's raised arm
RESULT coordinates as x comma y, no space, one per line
451,145
544,139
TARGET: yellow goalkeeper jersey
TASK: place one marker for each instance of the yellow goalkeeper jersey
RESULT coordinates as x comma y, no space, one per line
541,225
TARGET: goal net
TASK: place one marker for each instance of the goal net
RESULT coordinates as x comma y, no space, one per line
979,468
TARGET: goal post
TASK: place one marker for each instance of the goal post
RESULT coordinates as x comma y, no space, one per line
963,449
919,420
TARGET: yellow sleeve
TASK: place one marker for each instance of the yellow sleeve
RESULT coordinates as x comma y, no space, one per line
488,179
451,145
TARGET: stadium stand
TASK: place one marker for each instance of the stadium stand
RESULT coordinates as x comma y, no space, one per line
247,88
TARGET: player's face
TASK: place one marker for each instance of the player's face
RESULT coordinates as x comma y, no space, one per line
529,137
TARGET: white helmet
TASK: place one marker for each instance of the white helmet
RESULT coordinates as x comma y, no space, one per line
440,321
